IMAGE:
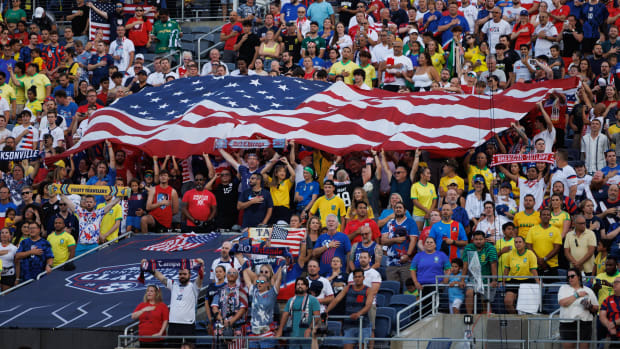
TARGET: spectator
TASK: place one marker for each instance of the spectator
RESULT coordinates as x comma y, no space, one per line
400,235
226,195
247,43
162,203
182,301
122,50
426,266
304,311
212,290
474,204
487,257
166,33
9,270
34,254
455,290
279,187
332,244
153,316
329,204
225,260
256,203
492,223
593,147
62,243
199,206
229,34
354,226
263,294
495,27
100,64
359,300
424,197
545,35
545,241
326,294
579,246
578,303
504,246
230,305
520,266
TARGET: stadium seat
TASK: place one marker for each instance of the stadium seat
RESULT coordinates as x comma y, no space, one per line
439,345
335,330
401,301
231,66
390,313
550,297
387,293
381,271
383,329
393,285
498,306
380,300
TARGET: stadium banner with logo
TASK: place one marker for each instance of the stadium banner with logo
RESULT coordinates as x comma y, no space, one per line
503,159
102,291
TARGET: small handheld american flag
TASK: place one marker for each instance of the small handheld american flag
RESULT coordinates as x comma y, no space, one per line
278,233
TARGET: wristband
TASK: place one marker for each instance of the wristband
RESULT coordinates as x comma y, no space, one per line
576,295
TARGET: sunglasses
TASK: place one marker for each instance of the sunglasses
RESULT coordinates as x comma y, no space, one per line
26,192
260,282
572,276
139,10
62,204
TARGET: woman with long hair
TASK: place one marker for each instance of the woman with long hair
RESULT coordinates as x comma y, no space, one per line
279,187
359,195
474,204
437,58
559,218
328,30
474,55
610,100
521,263
340,39
259,67
7,256
585,71
212,290
269,49
153,316
425,73
424,196
313,230
579,303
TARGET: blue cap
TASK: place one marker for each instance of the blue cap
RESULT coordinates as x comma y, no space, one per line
524,13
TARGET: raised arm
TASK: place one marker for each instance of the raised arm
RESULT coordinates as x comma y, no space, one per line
385,166
210,169
158,275
416,164
230,159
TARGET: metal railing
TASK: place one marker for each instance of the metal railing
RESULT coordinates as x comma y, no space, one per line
203,37
408,313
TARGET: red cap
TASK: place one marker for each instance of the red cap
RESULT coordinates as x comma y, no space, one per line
304,154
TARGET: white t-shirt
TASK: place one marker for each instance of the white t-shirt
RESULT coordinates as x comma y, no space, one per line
543,46
4,106
548,137
226,265
521,71
57,135
7,259
494,30
325,292
494,229
536,188
182,302
371,276
471,15
27,142
406,67
3,134
380,52
124,50
567,176
576,310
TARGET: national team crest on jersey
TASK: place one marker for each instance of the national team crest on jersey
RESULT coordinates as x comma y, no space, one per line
436,259
524,260
117,278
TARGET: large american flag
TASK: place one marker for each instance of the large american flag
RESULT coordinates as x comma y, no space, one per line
182,242
98,22
192,113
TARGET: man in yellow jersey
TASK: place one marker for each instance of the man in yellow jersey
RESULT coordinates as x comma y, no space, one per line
20,92
345,67
8,93
33,78
503,247
111,222
527,218
521,263
546,242
329,203
370,79
449,176
480,168
603,284
63,243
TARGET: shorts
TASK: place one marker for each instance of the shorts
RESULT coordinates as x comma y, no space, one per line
133,221
512,285
262,341
418,218
568,330
354,332
8,280
487,297
455,303
83,248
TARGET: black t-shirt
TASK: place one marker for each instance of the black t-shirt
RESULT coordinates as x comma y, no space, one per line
506,65
570,43
226,197
135,87
248,48
293,46
78,24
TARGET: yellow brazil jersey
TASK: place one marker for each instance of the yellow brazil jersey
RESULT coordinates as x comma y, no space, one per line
542,241
36,107
40,81
443,182
503,259
60,246
438,61
425,194
606,291
599,262
280,195
559,219
371,74
321,165
115,214
19,90
324,206
524,221
339,68
613,129
371,214
485,172
521,264
7,92
516,192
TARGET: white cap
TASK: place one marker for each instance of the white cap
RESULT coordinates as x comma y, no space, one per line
139,56
38,12
602,82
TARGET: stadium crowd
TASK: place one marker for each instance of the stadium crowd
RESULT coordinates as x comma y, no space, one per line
407,215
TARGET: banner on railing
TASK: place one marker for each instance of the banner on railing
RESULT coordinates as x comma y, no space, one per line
502,159
249,143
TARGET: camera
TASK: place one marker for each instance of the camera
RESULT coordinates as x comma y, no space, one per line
321,329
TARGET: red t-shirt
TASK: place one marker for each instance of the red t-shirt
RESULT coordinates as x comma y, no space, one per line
226,30
151,321
524,37
199,204
139,33
355,224
163,213
562,11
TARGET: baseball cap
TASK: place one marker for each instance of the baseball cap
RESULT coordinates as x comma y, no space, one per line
140,56
142,72
304,154
524,13
478,178
506,185
38,12
329,182
316,287
413,30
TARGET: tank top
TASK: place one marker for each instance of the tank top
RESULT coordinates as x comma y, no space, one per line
422,80
355,301
163,214
271,50
360,248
